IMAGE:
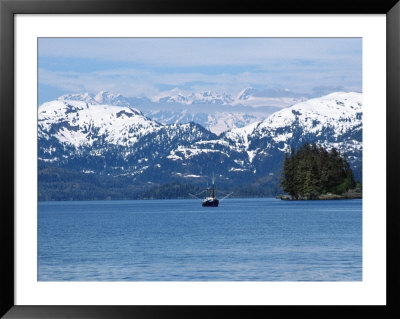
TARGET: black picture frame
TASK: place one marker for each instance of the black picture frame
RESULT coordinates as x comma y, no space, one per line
9,8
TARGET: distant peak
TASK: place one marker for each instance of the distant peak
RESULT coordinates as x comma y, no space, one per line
245,93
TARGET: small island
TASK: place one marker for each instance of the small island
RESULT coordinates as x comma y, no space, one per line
314,173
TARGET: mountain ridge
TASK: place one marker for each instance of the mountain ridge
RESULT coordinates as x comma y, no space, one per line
217,112
122,141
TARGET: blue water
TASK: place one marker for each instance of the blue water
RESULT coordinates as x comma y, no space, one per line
179,240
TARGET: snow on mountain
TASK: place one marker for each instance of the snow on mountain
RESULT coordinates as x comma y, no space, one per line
270,97
218,112
280,102
249,97
102,97
245,94
338,112
217,121
336,108
111,99
78,123
119,140
228,112
207,97
108,139
189,108
223,121
331,121
85,97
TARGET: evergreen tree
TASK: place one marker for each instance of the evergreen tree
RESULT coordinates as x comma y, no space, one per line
312,171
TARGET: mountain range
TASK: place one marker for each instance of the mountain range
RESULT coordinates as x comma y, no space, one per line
217,112
91,136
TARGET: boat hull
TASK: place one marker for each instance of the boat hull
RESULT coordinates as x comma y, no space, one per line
210,203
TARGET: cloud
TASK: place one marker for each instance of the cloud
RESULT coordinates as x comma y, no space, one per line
201,51
147,66
132,82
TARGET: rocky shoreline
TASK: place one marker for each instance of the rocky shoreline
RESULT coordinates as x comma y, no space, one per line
351,194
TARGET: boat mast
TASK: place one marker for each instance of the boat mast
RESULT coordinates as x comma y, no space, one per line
212,189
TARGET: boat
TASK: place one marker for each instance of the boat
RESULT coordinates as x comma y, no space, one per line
210,200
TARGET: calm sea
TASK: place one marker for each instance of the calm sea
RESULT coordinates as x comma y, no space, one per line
179,240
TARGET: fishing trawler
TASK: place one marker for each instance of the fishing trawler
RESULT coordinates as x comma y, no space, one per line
210,200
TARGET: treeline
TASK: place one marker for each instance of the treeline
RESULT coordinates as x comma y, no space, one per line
60,184
55,184
312,171
172,190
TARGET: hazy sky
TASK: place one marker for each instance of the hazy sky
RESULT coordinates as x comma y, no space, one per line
148,66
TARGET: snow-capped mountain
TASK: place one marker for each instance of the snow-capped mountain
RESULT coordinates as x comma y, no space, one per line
102,97
207,109
216,122
330,117
247,97
115,140
227,111
274,97
218,112
331,121
107,139
79,124
207,97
